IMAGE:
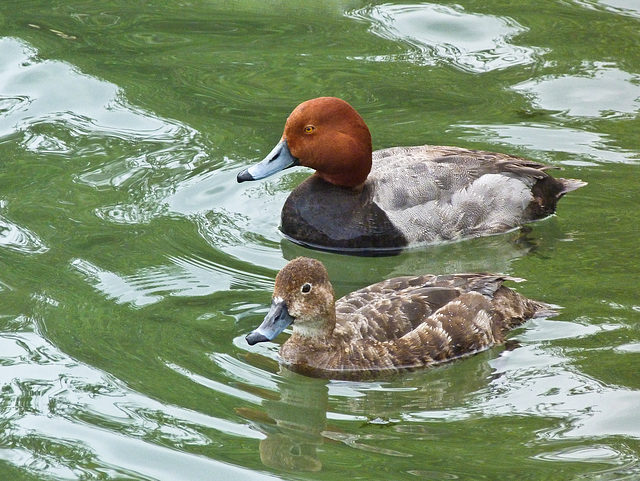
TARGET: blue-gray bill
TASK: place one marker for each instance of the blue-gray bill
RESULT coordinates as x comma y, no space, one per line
279,158
276,321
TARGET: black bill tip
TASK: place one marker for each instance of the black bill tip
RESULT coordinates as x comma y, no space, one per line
256,337
244,176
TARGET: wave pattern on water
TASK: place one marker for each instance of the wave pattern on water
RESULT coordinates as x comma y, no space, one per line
93,106
620,7
19,239
80,410
85,117
583,148
183,276
436,33
603,91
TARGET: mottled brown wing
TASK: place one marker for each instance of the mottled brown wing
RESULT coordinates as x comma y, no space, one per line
390,309
459,328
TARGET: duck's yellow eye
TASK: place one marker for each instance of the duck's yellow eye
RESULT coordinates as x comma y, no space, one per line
309,128
306,288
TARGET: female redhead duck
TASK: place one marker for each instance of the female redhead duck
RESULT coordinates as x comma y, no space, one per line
397,324
367,202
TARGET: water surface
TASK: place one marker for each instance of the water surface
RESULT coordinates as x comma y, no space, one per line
132,263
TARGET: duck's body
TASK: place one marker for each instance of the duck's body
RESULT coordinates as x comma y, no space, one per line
398,324
422,195
368,202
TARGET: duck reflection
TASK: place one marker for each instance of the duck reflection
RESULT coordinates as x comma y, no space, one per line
293,423
485,254
294,420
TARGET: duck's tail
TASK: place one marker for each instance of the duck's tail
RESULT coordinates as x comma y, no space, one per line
569,185
547,191
542,309
515,309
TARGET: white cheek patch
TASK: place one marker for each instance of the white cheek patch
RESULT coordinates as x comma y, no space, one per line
304,330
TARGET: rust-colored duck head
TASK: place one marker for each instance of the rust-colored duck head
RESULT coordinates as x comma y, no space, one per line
325,134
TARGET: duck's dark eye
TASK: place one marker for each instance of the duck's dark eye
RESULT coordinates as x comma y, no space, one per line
306,288
309,128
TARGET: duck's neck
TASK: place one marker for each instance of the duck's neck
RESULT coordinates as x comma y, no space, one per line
348,164
353,178
319,331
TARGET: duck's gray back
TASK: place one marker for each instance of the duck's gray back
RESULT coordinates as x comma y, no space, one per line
444,193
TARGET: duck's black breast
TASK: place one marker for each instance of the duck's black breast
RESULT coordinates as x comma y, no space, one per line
324,216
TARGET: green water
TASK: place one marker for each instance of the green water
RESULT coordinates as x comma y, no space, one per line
132,264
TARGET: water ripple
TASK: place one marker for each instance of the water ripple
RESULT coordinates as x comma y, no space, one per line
532,381
182,276
105,428
217,385
19,239
629,8
161,165
468,41
9,105
603,91
584,148
86,116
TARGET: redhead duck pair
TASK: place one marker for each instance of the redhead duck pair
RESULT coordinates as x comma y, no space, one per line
365,202
370,203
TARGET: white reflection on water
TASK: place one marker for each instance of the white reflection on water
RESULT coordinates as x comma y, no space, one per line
583,148
620,7
550,386
182,276
83,105
52,108
17,238
53,401
468,41
601,92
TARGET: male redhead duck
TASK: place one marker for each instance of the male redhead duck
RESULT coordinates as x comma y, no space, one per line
397,324
366,203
